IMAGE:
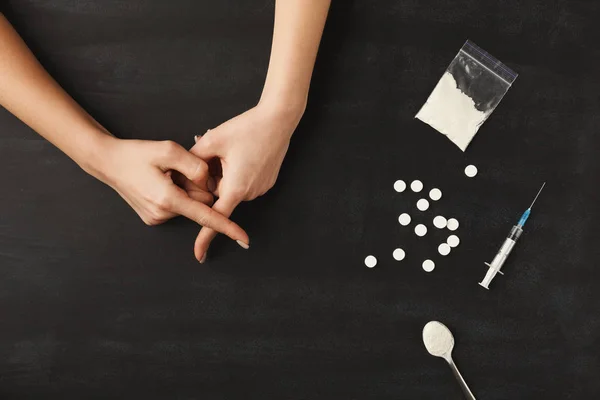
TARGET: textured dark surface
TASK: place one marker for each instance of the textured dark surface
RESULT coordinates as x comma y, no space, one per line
94,304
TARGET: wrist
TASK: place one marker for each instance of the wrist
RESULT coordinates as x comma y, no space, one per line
284,110
93,153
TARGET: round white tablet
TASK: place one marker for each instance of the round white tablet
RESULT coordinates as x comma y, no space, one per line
404,219
435,194
428,265
453,241
421,230
444,249
370,261
439,222
452,224
399,186
416,186
422,204
399,254
471,171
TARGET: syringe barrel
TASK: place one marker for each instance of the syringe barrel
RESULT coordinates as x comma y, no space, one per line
504,251
515,233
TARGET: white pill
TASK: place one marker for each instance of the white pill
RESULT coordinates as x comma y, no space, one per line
444,249
435,194
404,219
453,241
423,204
399,254
421,230
399,186
439,222
452,224
428,265
471,171
416,186
370,261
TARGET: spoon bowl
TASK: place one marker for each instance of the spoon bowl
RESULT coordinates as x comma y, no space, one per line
438,339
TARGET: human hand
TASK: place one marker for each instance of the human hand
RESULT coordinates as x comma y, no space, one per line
249,150
144,174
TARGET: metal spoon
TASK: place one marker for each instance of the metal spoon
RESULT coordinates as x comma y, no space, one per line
439,342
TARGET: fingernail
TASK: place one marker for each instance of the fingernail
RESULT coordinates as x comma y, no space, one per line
196,137
210,184
203,259
243,245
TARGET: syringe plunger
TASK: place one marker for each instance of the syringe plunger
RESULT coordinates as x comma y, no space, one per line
501,256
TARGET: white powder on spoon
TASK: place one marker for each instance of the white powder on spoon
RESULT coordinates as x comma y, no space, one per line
452,113
437,338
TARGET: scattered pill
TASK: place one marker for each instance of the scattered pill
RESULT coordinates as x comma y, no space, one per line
421,230
399,254
453,241
428,265
452,224
435,194
440,222
444,249
399,186
422,204
471,171
404,219
370,261
416,186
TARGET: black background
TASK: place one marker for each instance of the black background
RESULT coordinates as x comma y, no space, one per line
94,304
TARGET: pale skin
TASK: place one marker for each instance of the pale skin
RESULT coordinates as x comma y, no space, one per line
161,180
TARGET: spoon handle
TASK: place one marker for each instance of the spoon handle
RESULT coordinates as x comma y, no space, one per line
461,381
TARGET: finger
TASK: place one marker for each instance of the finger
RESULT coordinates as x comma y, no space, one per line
203,241
207,217
175,157
196,193
206,147
217,185
225,206
198,137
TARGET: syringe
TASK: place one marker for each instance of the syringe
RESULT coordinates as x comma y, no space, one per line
507,246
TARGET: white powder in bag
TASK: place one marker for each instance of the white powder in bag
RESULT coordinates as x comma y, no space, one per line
452,113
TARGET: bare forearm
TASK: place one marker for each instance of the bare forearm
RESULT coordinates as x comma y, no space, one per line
30,93
296,36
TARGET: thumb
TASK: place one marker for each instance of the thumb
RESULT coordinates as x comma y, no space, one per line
175,157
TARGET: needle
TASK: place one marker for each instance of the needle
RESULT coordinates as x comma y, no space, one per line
537,195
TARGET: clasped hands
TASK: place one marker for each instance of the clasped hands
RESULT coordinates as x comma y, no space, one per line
237,161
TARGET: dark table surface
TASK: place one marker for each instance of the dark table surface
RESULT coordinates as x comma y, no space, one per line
94,304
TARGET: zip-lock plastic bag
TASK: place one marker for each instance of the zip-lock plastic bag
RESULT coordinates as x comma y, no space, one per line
469,91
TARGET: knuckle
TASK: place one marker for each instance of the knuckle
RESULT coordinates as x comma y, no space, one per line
208,140
157,217
163,200
201,170
150,220
147,221
170,147
203,220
